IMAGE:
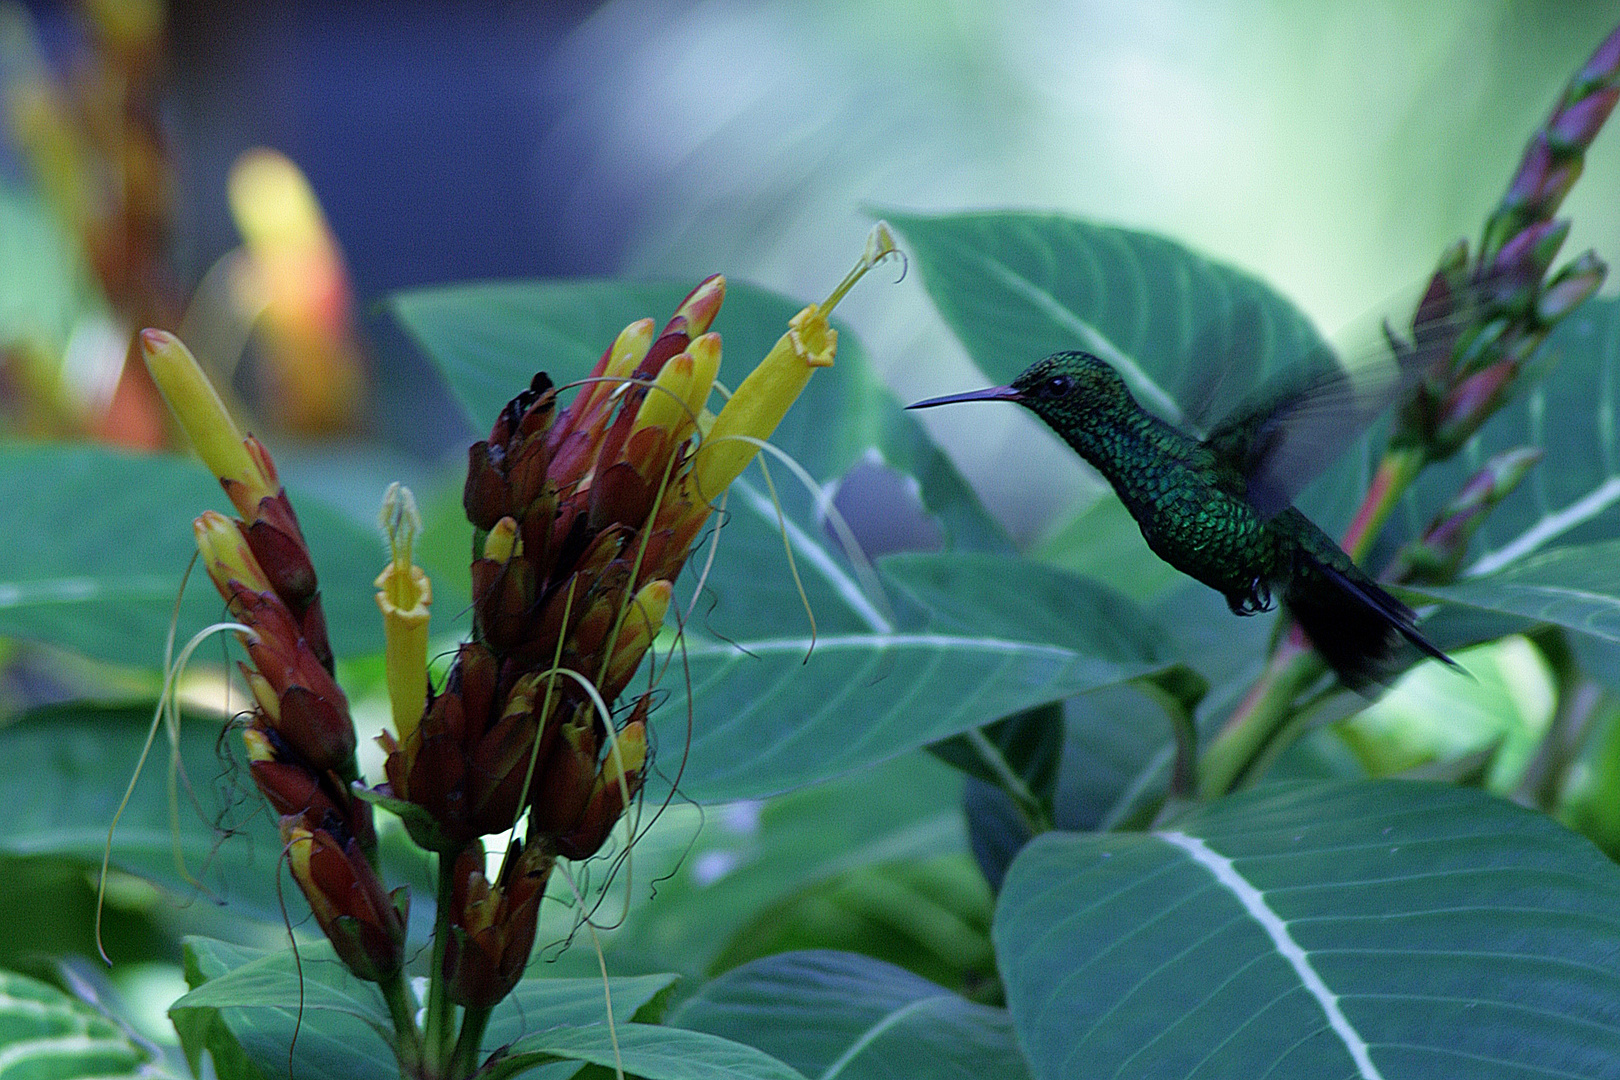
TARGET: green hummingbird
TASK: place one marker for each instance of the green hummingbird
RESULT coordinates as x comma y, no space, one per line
1219,508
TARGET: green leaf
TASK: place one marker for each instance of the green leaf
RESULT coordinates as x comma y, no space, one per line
653,1053
1573,495
542,1000
985,637
1103,541
68,767
1189,335
47,1035
1016,286
1307,930
263,1000
1575,586
833,1014
931,917
751,858
98,542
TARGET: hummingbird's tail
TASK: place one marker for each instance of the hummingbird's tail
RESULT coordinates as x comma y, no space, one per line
1352,622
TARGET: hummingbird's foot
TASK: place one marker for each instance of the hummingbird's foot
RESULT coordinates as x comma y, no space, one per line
1256,600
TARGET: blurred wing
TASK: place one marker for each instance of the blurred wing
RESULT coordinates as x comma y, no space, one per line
1295,425
1225,360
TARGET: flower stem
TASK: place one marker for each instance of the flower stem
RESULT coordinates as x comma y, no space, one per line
441,1011
464,1060
1395,474
396,992
1262,715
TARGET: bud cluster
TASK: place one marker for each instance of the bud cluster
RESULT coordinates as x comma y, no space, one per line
583,517
300,737
1501,308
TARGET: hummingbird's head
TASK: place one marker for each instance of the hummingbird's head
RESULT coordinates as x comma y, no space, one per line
1065,387
1068,385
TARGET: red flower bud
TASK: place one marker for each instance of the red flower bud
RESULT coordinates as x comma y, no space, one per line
360,919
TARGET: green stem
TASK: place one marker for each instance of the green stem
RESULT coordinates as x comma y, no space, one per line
1395,474
441,1011
464,1060
402,1008
1184,772
1260,718
1029,806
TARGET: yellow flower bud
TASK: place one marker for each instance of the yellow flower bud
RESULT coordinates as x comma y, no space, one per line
705,352
201,413
502,541
626,756
642,620
225,553
665,403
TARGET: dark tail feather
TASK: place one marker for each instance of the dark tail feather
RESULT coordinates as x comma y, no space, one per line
1354,624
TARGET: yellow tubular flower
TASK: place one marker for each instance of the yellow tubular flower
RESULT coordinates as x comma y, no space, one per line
628,351
641,623
762,400
404,595
631,755
202,416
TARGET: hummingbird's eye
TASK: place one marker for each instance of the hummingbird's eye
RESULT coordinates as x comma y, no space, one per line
1056,387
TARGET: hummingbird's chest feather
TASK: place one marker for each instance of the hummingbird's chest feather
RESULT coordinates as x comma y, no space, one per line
1193,518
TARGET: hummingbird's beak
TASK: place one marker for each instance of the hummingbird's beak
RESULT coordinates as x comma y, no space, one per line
994,393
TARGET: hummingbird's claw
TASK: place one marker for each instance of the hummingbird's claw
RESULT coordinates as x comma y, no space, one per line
1256,600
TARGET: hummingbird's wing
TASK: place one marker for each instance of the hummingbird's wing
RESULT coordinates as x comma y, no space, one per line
1298,422
1225,361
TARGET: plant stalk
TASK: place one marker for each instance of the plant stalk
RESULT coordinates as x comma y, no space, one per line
438,1045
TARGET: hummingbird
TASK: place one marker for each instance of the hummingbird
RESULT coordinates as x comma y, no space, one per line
1219,508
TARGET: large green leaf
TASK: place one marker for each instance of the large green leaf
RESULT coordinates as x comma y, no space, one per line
46,1035
981,637
1573,495
67,768
834,1014
653,1053
97,542
249,1005
262,1001
752,857
1574,585
543,1001
1305,930
1190,335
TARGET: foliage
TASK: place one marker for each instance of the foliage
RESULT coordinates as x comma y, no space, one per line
966,812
